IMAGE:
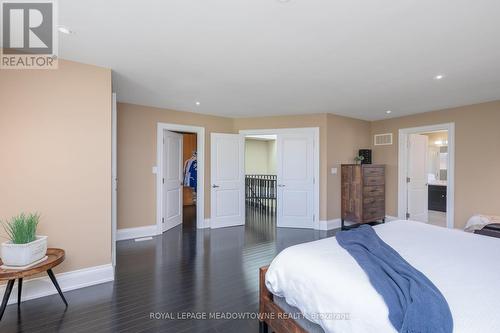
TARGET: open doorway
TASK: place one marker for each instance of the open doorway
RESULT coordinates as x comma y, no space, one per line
426,170
437,171
261,179
179,181
180,170
297,171
294,196
190,177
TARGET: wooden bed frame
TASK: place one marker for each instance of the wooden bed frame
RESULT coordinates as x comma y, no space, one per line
272,317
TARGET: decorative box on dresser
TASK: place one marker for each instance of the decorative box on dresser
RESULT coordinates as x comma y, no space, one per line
363,193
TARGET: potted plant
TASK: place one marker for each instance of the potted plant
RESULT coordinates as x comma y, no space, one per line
359,159
24,246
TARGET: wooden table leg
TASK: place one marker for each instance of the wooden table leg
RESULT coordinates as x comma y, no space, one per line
54,281
19,290
6,296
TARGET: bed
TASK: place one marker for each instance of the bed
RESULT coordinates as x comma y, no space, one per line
323,284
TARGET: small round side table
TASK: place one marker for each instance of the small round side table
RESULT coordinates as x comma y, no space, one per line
54,258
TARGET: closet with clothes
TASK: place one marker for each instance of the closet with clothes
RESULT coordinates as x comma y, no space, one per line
190,169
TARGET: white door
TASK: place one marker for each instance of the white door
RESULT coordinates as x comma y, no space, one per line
172,180
227,160
295,180
417,177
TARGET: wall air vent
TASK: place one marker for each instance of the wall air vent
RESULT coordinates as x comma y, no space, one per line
383,139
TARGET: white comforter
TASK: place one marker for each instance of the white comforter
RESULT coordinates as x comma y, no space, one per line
321,278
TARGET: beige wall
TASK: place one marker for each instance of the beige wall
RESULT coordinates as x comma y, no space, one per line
272,156
260,157
477,160
344,138
137,155
55,148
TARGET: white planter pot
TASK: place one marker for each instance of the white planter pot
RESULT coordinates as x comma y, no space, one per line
24,254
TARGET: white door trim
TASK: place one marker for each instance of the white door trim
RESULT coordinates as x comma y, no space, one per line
200,187
316,152
403,166
114,178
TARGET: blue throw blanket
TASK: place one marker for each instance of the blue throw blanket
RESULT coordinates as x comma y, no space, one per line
415,304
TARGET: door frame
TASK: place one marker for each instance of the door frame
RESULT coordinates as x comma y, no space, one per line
200,188
114,176
403,168
310,130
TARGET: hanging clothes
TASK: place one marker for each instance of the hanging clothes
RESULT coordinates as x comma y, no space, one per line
191,172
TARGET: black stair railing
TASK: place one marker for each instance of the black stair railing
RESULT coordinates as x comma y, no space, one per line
260,191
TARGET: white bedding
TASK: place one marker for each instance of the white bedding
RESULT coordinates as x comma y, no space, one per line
321,278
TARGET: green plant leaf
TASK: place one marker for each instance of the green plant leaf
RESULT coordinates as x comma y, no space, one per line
21,229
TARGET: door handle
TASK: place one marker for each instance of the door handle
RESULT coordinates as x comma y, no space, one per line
281,185
215,186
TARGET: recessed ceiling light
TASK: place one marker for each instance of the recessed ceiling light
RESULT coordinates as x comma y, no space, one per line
198,103
64,30
388,111
439,77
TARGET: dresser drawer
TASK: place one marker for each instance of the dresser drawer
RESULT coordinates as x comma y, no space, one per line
373,191
373,213
373,180
378,172
373,202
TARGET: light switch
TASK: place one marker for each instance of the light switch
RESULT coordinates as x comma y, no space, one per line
334,171
155,170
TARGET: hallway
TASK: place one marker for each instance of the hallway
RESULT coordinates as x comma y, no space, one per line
183,271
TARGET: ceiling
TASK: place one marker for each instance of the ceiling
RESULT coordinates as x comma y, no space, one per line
242,58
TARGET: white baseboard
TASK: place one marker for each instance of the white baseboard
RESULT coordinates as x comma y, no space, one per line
322,225
332,224
206,224
139,232
329,224
42,286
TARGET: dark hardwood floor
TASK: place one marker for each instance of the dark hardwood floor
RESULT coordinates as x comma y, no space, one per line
183,271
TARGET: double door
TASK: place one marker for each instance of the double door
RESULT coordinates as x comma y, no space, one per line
295,179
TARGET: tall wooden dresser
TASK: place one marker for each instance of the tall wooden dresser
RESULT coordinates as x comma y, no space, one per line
363,193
